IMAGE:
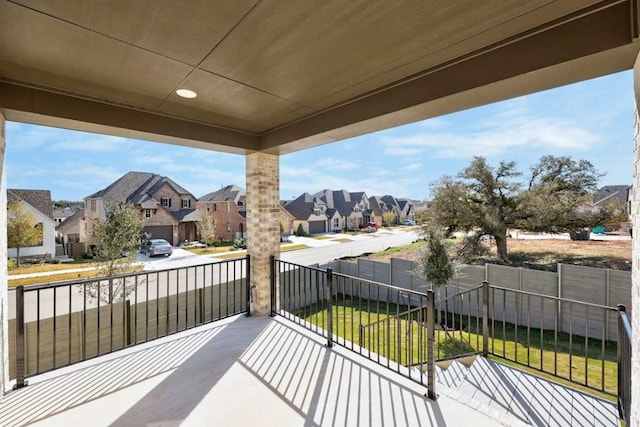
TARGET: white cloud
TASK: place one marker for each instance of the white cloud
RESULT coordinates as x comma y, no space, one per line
512,131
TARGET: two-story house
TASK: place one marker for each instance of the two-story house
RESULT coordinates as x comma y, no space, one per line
226,207
169,211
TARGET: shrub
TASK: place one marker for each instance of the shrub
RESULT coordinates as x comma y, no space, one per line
12,263
300,230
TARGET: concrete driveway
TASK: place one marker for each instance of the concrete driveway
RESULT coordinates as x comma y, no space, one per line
179,258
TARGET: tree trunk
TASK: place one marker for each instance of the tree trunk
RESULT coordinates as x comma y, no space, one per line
501,246
18,256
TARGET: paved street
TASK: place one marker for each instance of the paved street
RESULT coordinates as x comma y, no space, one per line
158,283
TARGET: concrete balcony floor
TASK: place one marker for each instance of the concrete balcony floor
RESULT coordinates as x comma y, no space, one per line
261,371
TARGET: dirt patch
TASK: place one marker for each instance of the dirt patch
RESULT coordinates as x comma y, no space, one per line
545,254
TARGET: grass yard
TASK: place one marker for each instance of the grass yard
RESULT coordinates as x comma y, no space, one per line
78,275
376,327
41,268
542,254
342,240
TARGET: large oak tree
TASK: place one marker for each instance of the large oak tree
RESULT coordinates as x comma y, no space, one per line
555,196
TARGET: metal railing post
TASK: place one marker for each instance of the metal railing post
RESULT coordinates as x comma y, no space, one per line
431,363
621,331
329,307
272,277
485,318
248,285
20,362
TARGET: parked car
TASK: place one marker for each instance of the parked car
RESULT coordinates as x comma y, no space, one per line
155,247
369,225
408,222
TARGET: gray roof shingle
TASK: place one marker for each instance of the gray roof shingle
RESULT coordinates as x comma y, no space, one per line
39,199
230,193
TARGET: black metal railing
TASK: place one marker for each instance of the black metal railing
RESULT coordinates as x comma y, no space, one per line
624,365
395,327
388,325
59,324
565,338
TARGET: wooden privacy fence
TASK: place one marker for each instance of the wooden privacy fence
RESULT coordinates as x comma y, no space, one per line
586,284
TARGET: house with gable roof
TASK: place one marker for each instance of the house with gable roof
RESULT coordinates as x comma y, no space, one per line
38,203
226,207
352,207
168,210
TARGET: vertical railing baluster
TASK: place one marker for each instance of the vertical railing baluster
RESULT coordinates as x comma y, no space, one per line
329,307
431,363
248,284
485,318
20,353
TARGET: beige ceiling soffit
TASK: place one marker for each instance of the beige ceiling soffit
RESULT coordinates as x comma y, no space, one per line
27,104
605,29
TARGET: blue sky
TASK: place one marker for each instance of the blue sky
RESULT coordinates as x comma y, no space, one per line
591,120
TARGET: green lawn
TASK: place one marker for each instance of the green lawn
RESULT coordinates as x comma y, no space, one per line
381,328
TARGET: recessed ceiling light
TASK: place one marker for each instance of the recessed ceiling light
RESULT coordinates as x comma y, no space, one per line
186,93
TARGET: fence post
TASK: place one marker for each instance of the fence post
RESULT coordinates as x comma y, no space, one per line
248,285
485,318
329,307
20,362
431,362
272,277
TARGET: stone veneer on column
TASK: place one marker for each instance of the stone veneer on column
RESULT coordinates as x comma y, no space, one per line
263,223
4,297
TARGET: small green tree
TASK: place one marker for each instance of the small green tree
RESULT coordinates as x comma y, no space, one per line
207,228
117,239
388,218
22,229
434,264
281,228
300,230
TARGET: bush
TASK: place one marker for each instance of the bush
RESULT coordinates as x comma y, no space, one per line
12,263
300,230
239,244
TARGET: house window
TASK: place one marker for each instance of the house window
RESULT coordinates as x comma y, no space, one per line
228,207
148,213
166,202
336,222
186,203
215,208
94,205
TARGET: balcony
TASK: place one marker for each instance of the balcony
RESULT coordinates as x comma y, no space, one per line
215,367
240,370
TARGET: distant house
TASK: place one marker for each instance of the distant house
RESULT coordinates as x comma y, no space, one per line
227,207
61,214
169,211
353,207
72,233
38,203
388,207
309,212
618,194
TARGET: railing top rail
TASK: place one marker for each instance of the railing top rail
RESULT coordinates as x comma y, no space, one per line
551,297
466,291
383,285
346,276
51,285
626,324
300,266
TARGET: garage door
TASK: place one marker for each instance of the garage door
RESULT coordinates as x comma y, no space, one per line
317,227
160,232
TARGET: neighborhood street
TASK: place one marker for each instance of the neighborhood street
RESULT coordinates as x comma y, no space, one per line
160,284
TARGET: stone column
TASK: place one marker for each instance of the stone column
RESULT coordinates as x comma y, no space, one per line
4,293
635,275
263,223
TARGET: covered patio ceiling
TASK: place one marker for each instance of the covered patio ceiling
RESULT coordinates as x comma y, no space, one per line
285,75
